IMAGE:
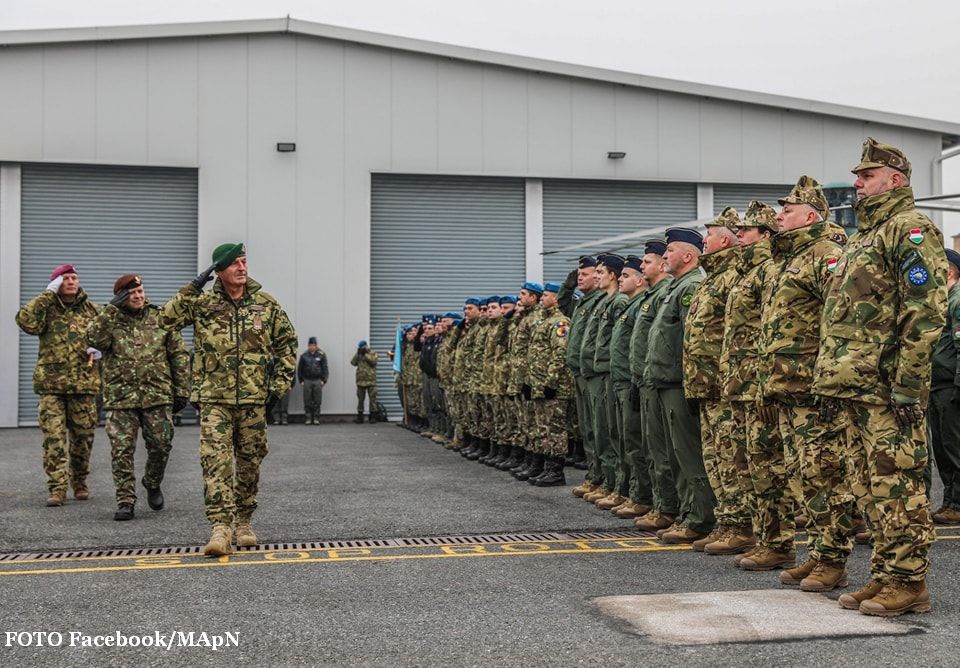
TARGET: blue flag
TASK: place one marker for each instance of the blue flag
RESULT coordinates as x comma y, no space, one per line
398,349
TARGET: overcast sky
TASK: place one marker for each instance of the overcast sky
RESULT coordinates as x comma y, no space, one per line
891,55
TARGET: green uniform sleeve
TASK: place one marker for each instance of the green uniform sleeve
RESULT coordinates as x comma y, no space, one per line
32,316
355,360
100,331
371,358
179,360
953,322
684,299
178,312
283,341
556,369
565,298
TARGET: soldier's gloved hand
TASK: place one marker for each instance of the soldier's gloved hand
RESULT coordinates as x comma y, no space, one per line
526,391
272,400
769,415
634,397
829,409
179,403
203,277
906,415
571,282
54,285
120,297
549,393
694,406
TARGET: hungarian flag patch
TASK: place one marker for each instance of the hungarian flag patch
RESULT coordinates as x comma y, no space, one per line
916,236
832,264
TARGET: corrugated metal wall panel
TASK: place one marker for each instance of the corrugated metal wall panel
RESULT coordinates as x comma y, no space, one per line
433,241
108,221
575,211
738,195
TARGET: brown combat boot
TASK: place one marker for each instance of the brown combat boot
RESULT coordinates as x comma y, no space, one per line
718,532
597,494
654,521
897,598
765,559
681,535
219,544
947,516
673,527
610,501
584,489
631,510
793,576
56,498
80,491
737,558
852,601
825,576
737,539
245,535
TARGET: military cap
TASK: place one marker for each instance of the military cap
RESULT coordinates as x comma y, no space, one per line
61,270
453,315
953,257
808,191
876,154
312,340
633,262
225,254
684,234
728,218
508,299
587,261
472,301
530,286
428,318
760,215
361,343
654,247
551,287
126,282
612,261
493,299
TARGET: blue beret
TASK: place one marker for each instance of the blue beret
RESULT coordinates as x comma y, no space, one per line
612,261
634,263
953,257
685,234
429,318
474,301
361,343
452,314
654,247
587,261
530,286
493,299
551,287
508,299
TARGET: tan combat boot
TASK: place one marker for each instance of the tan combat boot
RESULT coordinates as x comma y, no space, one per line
674,526
737,558
631,510
597,494
609,502
825,576
718,532
245,535
681,535
737,539
947,516
219,544
56,498
793,576
852,601
584,489
654,521
897,598
437,438
80,491
765,559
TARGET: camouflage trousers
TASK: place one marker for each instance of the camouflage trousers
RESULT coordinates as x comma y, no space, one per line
502,414
413,399
635,467
64,416
122,426
816,455
585,419
887,465
724,455
656,447
943,430
551,425
281,407
233,443
482,416
364,392
528,425
452,400
312,397
772,504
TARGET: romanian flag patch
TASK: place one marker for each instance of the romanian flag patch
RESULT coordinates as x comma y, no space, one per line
562,329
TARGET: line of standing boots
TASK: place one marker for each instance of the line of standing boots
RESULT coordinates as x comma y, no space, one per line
535,468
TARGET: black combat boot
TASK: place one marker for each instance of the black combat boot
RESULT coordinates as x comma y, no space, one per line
503,454
124,512
482,451
359,418
536,468
513,459
154,495
470,444
523,464
491,453
579,456
552,474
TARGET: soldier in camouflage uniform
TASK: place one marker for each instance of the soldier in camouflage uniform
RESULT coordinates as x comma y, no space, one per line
479,411
508,426
520,457
469,329
413,378
446,352
656,447
753,441
882,318
486,385
67,378
702,346
498,349
529,302
805,254
943,420
146,378
366,362
240,332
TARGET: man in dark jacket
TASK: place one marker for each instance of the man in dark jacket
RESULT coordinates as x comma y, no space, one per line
312,373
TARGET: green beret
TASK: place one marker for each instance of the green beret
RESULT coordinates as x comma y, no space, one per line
225,254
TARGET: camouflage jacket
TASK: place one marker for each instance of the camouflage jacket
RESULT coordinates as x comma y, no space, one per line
649,303
607,318
664,367
886,307
517,355
946,371
446,355
462,353
475,357
800,275
501,374
703,334
740,358
494,350
410,365
243,350
546,355
588,345
620,339
578,327
143,365
62,361
521,360
366,364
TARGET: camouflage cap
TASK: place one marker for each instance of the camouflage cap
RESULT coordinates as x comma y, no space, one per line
728,218
760,215
876,154
809,192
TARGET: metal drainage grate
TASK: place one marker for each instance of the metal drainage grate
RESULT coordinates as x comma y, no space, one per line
425,541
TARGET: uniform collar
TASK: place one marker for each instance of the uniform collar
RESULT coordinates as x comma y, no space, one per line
719,262
875,209
755,255
788,244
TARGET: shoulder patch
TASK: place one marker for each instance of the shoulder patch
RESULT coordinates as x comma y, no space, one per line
562,329
686,300
918,275
832,264
916,235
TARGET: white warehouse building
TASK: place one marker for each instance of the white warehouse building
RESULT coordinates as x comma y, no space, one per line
373,178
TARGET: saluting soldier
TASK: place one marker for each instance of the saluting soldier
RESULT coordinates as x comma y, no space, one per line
146,379
366,378
240,332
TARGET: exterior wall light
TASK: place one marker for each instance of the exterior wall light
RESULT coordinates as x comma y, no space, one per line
616,155
286,147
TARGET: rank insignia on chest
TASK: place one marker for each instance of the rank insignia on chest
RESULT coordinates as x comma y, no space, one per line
645,307
832,264
916,236
918,275
257,322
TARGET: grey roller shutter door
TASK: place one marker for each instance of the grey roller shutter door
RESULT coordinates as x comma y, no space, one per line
433,241
575,211
108,221
738,195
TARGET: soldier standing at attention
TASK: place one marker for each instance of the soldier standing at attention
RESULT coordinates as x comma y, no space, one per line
702,346
238,331
883,315
943,422
313,373
146,379
529,301
446,358
461,369
366,362
664,372
67,378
